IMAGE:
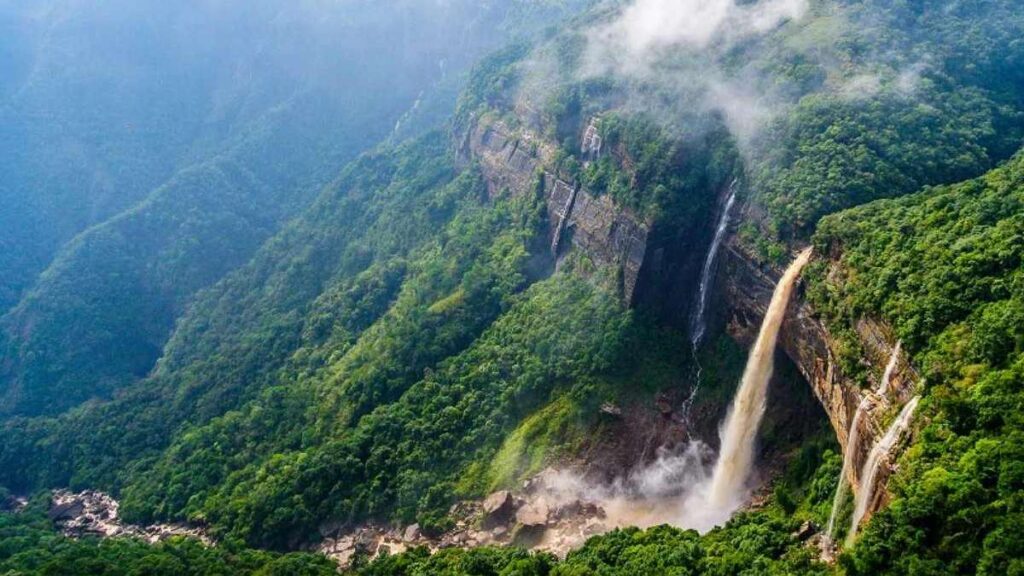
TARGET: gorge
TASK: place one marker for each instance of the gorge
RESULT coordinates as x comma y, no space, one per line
651,288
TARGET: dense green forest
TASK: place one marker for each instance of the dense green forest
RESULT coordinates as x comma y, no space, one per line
190,181
946,269
275,301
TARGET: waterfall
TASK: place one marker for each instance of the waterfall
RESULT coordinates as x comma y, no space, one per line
869,473
853,441
566,212
736,456
890,368
698,323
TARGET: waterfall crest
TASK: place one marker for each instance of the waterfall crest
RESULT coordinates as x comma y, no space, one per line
736,457
869,473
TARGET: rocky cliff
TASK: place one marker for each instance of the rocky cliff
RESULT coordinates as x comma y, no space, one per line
745,290
519,162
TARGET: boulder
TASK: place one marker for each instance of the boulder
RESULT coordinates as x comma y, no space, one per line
611,409
807,529
412,533
67,510
533,514
498,508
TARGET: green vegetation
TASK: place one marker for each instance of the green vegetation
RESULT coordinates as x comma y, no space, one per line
944,268
403,341
942,105
270,364
139,169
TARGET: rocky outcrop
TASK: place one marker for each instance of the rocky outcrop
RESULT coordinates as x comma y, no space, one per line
746,289
519,162
542,515
92,513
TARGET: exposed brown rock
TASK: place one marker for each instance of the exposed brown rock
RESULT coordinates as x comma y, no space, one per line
747,289
412,533
533,513
498,508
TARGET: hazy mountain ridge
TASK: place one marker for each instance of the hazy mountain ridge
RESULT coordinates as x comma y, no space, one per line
284,121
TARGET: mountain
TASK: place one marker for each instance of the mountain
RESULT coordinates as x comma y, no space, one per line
470,352
142,167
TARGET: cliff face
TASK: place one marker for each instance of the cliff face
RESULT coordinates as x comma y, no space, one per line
520,162
658,268
663,274
745,290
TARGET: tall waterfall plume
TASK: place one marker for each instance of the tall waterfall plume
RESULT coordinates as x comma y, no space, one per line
736,457
869,473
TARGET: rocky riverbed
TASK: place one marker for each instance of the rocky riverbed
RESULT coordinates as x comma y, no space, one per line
92,513
546,514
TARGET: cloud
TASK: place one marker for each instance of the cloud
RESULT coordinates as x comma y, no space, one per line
679,48
861,86
648,29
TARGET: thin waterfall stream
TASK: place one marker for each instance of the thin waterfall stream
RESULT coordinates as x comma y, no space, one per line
890,369
853,443
869,473
698,324
698,321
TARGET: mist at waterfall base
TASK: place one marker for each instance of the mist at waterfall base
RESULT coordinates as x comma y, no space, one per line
688,487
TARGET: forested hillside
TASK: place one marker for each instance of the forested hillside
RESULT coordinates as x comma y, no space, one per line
333,301
181,151
945,267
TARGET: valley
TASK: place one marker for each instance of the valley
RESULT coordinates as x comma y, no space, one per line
633,288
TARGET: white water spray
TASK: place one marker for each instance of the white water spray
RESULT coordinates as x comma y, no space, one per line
869,474
853,442
736,457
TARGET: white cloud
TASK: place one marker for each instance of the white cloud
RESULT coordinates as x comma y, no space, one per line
647,28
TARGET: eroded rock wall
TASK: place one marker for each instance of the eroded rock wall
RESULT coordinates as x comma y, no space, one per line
519,162
745,291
